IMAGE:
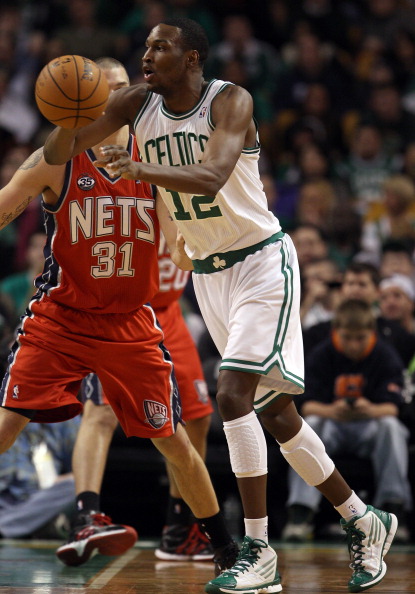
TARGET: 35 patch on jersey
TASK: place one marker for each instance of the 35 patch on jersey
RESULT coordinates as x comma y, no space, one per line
85,182
156,413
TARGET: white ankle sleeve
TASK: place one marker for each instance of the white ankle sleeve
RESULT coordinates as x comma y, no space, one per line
306,454
247,446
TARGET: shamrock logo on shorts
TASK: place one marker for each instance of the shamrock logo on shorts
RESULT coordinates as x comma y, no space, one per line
218,263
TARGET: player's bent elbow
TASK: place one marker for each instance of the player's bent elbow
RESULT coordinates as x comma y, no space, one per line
210,177
59,146
52,157
212,189
214,185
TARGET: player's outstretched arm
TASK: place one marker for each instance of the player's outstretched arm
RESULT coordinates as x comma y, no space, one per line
63,144
232,115
26,184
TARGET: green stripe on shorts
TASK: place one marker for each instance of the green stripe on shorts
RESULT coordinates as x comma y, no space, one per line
222,261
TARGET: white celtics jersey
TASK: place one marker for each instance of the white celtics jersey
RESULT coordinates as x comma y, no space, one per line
238,216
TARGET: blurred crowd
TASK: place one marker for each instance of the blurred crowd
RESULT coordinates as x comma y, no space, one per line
333,83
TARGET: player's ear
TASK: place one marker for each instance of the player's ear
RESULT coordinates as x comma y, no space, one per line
193,58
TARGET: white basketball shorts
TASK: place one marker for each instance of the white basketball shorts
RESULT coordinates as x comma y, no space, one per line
252,311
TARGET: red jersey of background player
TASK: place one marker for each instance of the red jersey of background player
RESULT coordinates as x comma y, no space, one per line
112,229
172,279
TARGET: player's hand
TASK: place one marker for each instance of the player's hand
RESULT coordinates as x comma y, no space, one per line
117,161
179,256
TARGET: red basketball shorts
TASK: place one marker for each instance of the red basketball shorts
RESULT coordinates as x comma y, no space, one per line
187,367
58,346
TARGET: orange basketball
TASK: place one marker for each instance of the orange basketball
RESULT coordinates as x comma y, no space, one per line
71,91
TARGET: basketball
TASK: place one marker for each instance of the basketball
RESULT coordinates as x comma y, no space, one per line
71,91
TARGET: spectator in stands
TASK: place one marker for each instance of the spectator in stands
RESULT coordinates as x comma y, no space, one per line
281,22
16,289
396,124
316,114
19,119
37,488
361,281
259,58
394,217
384,18
397,258
365,168
320,286
310,243
330,20
303,161
312,63
313,162
316,201
371,69
352,399
344,230
28,42
296,137
82,33
397,301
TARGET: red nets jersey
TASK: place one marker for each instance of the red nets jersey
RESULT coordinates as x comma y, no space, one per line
103,234
172,279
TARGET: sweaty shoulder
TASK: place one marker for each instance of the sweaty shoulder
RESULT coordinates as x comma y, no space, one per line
233,93
128,100
232,110
232,99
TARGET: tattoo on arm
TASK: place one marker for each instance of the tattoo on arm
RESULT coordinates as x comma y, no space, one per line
8,217
33,160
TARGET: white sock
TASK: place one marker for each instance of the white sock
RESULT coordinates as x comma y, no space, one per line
353,506
257,528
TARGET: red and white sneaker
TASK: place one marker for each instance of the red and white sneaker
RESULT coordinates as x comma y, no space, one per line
95,533
184,543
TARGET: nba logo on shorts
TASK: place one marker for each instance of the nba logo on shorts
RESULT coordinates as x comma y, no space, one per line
15,392
156,413
202,391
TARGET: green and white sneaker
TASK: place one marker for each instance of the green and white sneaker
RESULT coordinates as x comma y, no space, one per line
255,571
369,538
